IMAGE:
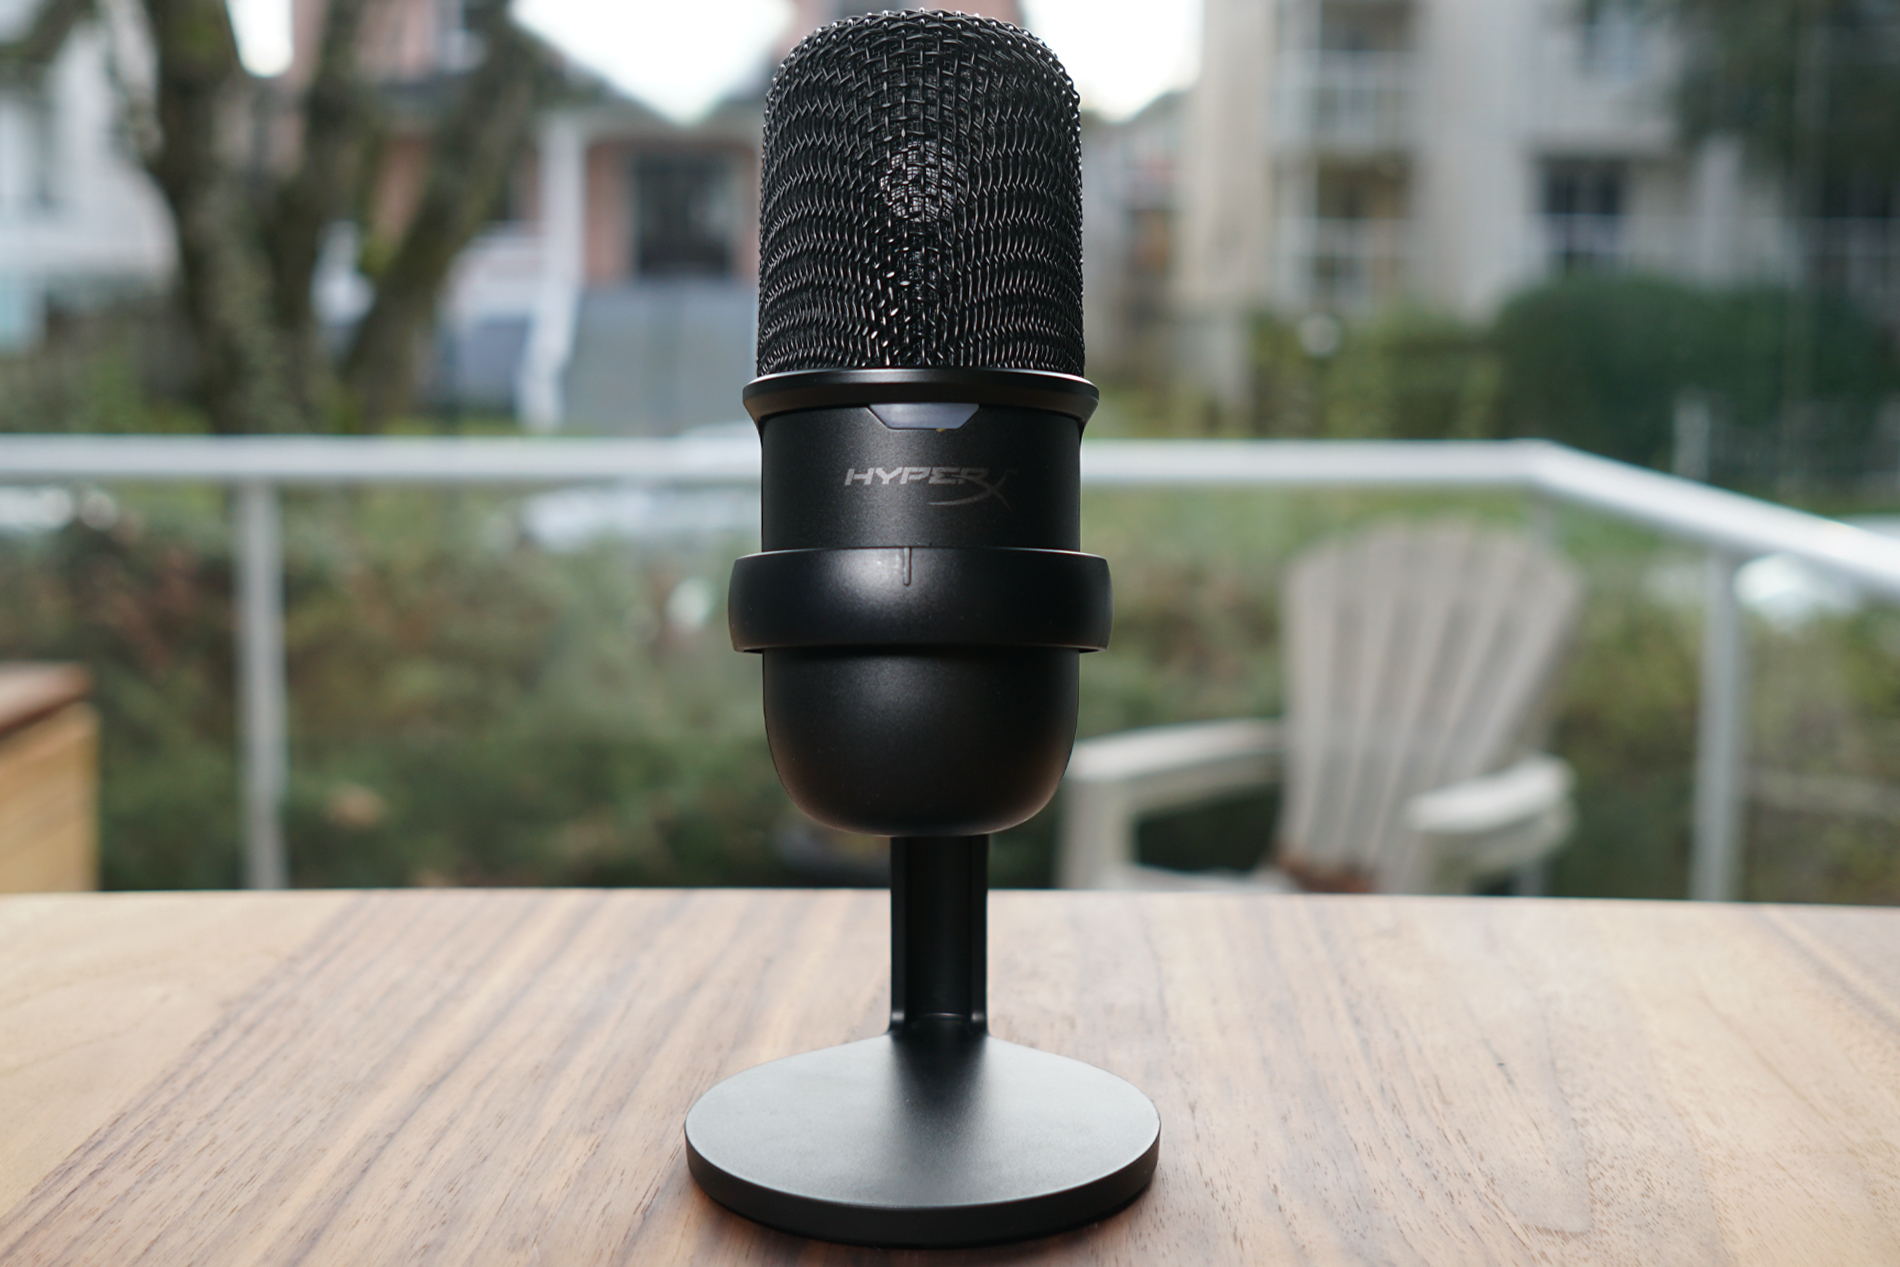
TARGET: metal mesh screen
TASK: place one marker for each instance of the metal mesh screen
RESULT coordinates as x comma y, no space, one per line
921,200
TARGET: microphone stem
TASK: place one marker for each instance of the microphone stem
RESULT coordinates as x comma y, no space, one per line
939,934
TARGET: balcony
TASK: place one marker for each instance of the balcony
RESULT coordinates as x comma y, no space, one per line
1860,257
1616,244
1349,266
1346,103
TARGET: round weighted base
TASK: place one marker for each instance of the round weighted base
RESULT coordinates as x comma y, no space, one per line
923,1139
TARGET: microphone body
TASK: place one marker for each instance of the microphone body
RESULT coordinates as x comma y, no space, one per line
920,601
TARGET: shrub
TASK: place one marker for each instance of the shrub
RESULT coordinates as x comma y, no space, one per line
1405,375
464,706
1597,361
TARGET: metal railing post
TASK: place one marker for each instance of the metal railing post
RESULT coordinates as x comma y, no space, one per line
1542,522
1721,773
262,711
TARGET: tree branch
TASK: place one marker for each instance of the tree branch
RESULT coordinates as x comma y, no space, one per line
338,114
33,52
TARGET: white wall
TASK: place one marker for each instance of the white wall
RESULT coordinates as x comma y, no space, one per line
1224,234
77,213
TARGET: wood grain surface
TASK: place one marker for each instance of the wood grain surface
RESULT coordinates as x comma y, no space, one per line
500,1077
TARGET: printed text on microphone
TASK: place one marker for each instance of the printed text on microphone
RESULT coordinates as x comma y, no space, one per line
979,476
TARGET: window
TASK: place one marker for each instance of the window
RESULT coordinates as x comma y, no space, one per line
685,215
28,152
1583,216
457,48
1854,244
1358,234
1361,29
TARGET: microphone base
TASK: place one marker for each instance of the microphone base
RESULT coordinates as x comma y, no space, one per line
929,1136
935,1134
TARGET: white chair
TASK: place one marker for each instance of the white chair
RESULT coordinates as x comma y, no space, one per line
1418,664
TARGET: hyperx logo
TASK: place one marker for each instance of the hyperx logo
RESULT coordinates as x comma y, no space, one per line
948,476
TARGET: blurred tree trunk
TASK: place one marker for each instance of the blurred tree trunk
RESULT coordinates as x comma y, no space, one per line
249,236
474,151
223,272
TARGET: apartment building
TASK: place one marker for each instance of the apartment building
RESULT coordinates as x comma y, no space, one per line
1130,179
79,221
1343,155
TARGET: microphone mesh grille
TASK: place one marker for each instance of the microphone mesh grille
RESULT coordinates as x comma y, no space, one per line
921,200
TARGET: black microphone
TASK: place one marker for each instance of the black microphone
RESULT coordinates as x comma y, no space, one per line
920,601
920,605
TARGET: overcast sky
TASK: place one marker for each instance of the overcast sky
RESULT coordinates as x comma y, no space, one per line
682,56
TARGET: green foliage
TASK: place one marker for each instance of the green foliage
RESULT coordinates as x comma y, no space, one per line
1407,374
1826,708
115,370
145,606
1598,361
515,717
1800,81
465,708
1626,721
1415,375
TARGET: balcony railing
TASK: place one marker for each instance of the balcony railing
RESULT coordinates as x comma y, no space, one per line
1346,265
1346,102
1860,257
1732,529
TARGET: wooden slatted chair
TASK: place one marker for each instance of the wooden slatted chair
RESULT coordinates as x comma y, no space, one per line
1418,662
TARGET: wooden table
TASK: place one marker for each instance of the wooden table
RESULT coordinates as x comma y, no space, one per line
500,1077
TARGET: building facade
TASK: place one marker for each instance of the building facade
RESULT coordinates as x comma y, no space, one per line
80,223
1344,155
1130,182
